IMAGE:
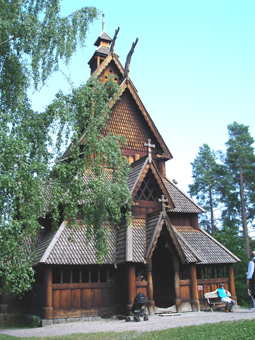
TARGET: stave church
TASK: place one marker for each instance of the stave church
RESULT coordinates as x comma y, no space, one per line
163,253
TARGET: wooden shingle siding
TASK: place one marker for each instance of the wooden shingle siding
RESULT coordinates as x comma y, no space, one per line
121,243
126,120
139,239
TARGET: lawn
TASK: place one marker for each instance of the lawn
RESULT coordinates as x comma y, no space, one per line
243,329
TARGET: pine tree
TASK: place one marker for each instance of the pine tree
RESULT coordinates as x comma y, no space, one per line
205,171
240,160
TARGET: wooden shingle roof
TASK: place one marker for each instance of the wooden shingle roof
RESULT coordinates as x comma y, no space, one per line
70,246
182,202
202,245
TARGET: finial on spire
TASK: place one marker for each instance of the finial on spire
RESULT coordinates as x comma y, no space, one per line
103,22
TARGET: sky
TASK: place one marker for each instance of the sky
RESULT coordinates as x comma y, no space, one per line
193,67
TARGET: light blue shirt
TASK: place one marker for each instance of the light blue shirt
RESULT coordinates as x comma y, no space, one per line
250,269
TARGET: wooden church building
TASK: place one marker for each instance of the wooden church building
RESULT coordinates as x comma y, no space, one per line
163,253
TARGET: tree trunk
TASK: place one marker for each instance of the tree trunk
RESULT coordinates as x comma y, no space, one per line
243,212
211,208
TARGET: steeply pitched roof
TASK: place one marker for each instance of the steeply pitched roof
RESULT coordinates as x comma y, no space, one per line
142,116
182,202
70,246
137,174
136,171
155,222
103,36
204,246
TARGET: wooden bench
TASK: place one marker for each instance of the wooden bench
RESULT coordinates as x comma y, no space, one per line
213,300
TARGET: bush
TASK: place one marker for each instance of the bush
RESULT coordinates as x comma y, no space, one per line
32,321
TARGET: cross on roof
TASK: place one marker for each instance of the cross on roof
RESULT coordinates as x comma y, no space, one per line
149,145
163,200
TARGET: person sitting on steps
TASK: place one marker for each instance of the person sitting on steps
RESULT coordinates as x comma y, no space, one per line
222,293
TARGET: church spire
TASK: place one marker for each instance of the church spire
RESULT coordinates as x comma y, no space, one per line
103,48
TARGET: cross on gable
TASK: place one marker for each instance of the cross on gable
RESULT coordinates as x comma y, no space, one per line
163,200
149,146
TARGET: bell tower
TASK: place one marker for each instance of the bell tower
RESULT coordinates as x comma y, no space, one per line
103,49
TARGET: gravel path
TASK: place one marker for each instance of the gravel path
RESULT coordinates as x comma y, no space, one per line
155,323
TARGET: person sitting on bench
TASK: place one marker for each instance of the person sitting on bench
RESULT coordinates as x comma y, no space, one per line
222,293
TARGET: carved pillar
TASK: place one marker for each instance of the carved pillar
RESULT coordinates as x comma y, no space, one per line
151,303
48,309
232,287
131,287
177,285
193,289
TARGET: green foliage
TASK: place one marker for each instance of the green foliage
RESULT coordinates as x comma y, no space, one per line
217,178
240,159
32,321
223,175
229,236
33,38
92,171
205,172
90,179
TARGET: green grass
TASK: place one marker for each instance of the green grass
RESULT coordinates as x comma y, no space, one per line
242,329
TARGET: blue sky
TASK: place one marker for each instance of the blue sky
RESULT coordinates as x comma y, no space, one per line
193,67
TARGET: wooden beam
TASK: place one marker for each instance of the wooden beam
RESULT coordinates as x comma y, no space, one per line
151,303
177,285
131,287
232,288
193,289
48,309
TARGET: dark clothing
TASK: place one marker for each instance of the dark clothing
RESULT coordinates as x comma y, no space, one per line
252,282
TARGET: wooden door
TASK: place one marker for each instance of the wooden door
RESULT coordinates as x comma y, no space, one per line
163,275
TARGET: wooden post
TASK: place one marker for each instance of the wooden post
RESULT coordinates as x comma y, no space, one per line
177,285
131,287
162,168
151,303
232,288
193,289
48,309
194,222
